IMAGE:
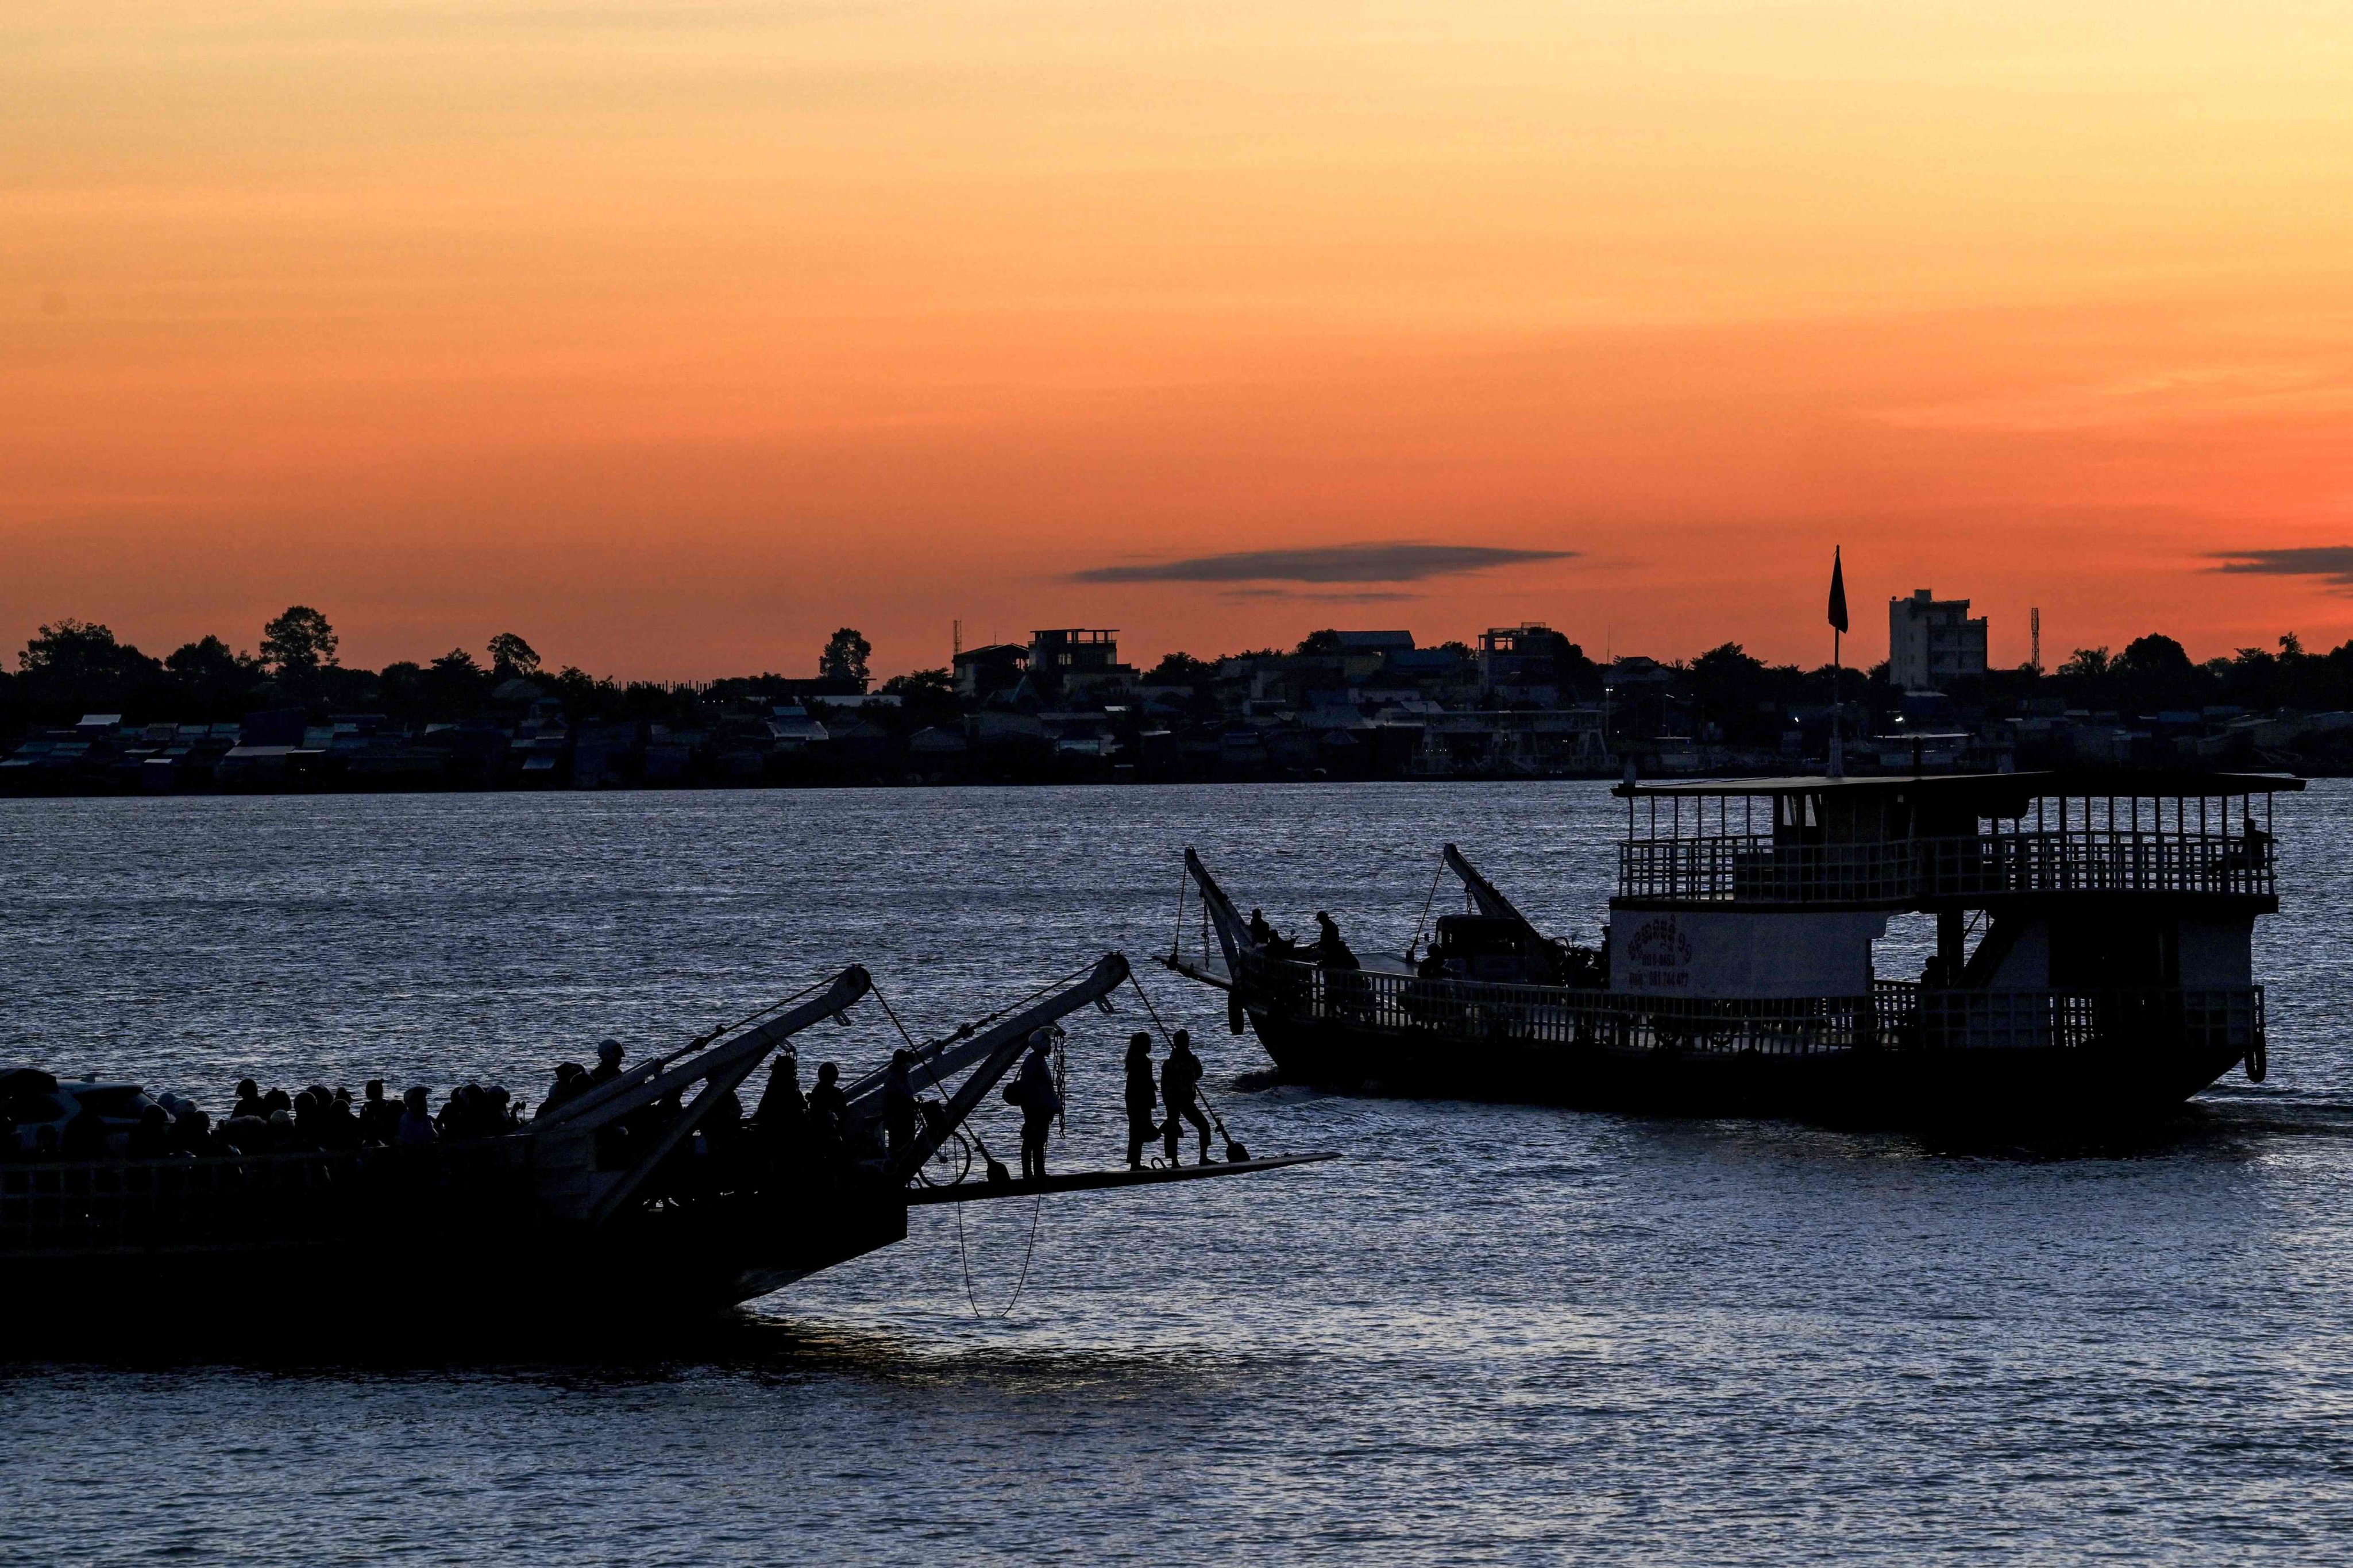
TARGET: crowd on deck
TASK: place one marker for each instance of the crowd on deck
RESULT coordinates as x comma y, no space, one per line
790,1126
314,1119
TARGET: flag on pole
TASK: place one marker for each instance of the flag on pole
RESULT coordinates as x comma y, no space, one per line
1837,591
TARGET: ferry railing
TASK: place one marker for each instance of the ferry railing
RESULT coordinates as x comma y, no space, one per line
240,1201
1754,869
1539,1016
2201,1019
1893,1015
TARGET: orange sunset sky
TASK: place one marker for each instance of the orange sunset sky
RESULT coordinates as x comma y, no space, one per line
674,333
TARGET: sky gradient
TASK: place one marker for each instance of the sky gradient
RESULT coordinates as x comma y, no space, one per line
674,333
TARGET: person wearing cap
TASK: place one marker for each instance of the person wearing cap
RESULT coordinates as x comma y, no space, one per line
1142,1098
608,1065
570,1078
1180,1079
1033,1090
248,1099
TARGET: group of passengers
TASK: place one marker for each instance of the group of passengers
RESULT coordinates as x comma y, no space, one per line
790,1126
1328,950
314,1119
1179,1092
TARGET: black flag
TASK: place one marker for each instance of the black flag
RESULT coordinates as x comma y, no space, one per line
1837,591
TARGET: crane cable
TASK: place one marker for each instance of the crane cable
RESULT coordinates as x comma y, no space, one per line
963,1245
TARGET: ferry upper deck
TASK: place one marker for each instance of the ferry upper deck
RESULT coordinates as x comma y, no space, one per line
1945,841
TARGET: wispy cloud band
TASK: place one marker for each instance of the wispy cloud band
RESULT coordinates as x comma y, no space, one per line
1398,563
2331,563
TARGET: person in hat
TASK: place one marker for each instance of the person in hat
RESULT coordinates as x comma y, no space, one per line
1180,1081
570,1078
609,1064
1033,1090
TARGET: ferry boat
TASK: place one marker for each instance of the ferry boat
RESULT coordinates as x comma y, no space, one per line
559,1220
2092,960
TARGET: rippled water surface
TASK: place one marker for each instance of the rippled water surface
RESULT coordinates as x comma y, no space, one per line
1490,1334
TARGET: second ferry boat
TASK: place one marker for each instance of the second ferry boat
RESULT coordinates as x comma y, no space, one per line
2093,963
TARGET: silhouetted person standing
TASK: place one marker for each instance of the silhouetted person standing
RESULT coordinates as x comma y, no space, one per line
417,1121
1034,1092
829,1107
609,1065
1142,1097
783,1106
1331,950
379,1117
1180,1080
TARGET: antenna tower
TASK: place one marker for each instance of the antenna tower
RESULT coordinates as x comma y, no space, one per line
2034,619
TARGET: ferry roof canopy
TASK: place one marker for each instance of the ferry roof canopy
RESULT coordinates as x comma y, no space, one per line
2145,783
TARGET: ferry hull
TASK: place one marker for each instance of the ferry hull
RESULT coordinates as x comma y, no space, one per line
2020,1088
448,1279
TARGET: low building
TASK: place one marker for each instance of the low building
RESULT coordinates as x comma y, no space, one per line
982,672
1521,663
1074,661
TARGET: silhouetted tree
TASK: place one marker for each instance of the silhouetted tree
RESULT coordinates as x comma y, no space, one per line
299,643
1181,669
452,685
70,668
71,649
845,657
217,679
932,690
511,656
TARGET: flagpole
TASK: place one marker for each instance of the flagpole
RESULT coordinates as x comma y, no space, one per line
1837,761
1838,712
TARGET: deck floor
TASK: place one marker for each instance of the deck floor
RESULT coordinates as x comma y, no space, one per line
975,1190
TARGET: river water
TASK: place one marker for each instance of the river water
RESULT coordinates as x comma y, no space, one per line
1503,1334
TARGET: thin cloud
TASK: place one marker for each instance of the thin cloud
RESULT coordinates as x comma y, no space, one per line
2331,563
1309,597
1329,563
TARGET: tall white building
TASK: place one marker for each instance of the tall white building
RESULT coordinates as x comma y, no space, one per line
1931,641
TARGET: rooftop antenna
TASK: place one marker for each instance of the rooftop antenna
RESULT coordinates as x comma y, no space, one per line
2034,619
